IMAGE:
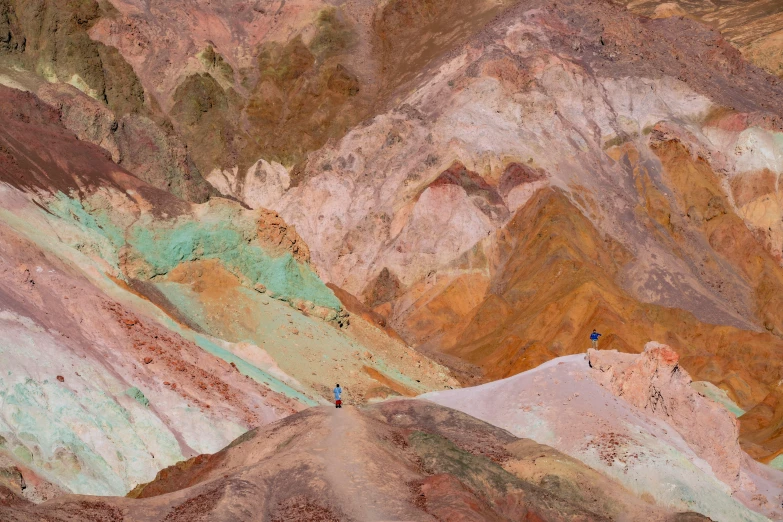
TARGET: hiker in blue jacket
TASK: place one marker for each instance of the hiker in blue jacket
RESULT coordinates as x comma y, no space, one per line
337,394
594,338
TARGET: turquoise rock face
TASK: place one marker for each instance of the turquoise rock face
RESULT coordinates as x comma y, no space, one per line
97,408
164,248
78,405
154,246
84,434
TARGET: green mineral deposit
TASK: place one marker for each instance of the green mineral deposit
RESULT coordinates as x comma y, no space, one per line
136,394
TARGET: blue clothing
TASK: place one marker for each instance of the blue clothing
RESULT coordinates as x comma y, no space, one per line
337,392
594,336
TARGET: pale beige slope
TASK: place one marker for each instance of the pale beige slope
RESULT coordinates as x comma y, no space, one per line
634,418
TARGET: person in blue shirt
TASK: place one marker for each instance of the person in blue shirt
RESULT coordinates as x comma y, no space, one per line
337,394
594,338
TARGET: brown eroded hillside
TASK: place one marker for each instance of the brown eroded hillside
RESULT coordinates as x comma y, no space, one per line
761,428
275,81
754,27
556,279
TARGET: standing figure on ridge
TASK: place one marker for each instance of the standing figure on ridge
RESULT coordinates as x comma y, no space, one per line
337,394
594,338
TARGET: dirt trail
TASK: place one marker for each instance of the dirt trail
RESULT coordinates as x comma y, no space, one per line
348,470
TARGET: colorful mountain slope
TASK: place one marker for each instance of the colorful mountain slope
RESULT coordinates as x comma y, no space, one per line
401,460
467,116
636,419
114,365
485,181
556,279
664,149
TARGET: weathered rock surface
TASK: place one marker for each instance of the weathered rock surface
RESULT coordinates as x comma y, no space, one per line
401,460
655,382
761,429
135,330
756,28
638,421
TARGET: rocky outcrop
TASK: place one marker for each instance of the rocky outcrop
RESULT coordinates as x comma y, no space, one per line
632,417
134,141
655,382
261,186
279,237
50,38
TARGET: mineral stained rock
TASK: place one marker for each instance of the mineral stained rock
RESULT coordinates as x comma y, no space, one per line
636,419
411,460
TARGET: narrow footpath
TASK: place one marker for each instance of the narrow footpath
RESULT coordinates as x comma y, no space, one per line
349,472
